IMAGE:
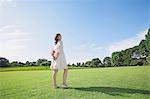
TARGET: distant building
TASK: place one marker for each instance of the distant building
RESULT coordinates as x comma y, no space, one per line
137,55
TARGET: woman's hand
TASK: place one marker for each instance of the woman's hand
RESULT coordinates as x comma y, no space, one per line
55,56
52,53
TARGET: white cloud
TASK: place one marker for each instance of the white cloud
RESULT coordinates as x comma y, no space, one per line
13,41
84,52
126,43
7,3
90,47
5,27
88,51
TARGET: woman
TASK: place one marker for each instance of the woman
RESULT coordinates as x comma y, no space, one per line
59,61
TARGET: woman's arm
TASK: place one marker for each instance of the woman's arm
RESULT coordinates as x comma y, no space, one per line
56,51
52,53
56,54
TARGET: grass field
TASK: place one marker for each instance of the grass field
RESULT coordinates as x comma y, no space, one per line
31,68
96,83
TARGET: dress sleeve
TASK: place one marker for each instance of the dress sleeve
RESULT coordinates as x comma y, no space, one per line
57,47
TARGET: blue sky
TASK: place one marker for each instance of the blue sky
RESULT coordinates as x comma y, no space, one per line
90,28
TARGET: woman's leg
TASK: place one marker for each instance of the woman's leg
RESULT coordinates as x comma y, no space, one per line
54,74
65,76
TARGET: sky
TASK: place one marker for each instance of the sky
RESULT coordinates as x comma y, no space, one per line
89,28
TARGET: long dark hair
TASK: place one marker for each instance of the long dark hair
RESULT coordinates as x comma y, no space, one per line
56,38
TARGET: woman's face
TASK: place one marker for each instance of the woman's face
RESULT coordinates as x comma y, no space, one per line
59,37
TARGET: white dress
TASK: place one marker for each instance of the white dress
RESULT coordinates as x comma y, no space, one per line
60,63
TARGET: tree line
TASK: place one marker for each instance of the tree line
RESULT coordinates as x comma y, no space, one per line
136,56
40,62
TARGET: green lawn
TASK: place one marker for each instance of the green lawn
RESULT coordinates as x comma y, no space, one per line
96,83
31,68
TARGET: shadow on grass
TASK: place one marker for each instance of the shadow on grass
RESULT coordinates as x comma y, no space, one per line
112,90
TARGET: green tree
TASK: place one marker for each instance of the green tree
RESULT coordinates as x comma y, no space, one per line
21,64
34,64
27,63
45,63
88,64
96,62
14,64
39,61
107,61
73,65
147,37
127,57
4,62
78,64
143,48
83,65
148,59
117,59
